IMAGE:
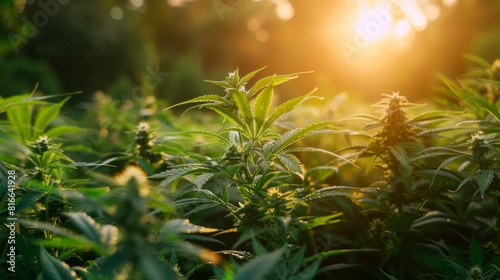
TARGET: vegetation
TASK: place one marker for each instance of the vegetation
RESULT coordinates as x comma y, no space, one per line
247,190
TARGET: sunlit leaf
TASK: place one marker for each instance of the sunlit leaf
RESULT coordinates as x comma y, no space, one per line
292,164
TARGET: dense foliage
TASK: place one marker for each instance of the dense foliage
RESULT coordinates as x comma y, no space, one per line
250,188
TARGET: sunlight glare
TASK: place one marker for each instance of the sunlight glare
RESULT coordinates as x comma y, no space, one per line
401,28
374,22
449,3
414,13
284,9
432,11
177,3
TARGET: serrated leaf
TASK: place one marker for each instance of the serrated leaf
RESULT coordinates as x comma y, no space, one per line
262,105
484,179
225,194
293,136
211,99
53,268
202,208
321,221
250,75
329,192
267,81
242,255
401,156
242,104
175,174
286,107
177,226
202,179
230,116
206,133
292,164
222,84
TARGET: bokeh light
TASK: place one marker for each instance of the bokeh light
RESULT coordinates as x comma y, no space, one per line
116,13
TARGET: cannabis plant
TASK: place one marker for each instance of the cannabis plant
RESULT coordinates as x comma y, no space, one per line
268,203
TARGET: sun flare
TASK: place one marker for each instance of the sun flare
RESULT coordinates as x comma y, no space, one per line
374,25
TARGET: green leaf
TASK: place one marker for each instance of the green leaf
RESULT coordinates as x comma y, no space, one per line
258,248
225,194
292,164
262,105
177,226
20,117
209,99
476,252
112,265
206,133
230,116
309,272
53,268
46,116
292,136
153,269
481,62
177,173
321,221
399,152
259,267
296,260
61,130
85,224
222,84
270,80
286,107
241,102
484,179
18,100
250,75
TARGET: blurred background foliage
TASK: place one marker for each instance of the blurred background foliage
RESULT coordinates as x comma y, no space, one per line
106,45
114,46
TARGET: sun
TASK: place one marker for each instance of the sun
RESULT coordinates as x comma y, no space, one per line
372,26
